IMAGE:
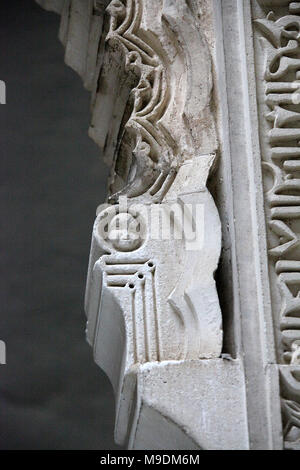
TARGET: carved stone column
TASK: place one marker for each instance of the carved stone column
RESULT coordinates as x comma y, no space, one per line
194,104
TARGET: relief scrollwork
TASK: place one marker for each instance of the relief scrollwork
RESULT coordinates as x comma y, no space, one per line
280,39
150,143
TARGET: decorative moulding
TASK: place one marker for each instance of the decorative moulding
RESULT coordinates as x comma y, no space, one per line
278,43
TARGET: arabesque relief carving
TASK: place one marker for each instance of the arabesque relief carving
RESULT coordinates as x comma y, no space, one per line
280,38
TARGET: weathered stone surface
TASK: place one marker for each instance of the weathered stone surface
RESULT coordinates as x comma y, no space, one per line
165,416
279,45
158,299
175,85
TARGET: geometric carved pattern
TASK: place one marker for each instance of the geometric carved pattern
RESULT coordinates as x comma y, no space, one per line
139,278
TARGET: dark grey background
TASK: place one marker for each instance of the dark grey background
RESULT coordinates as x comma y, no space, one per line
52,395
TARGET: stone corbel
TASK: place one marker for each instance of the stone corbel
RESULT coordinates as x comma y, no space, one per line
154,319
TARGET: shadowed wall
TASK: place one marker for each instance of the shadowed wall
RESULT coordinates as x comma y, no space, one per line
52,395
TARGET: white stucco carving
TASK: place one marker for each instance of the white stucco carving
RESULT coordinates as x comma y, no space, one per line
279,35
158,300
174,90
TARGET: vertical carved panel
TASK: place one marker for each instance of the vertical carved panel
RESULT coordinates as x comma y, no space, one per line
278,28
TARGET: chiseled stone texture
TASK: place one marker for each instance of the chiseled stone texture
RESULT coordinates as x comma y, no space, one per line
277,54
207,412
